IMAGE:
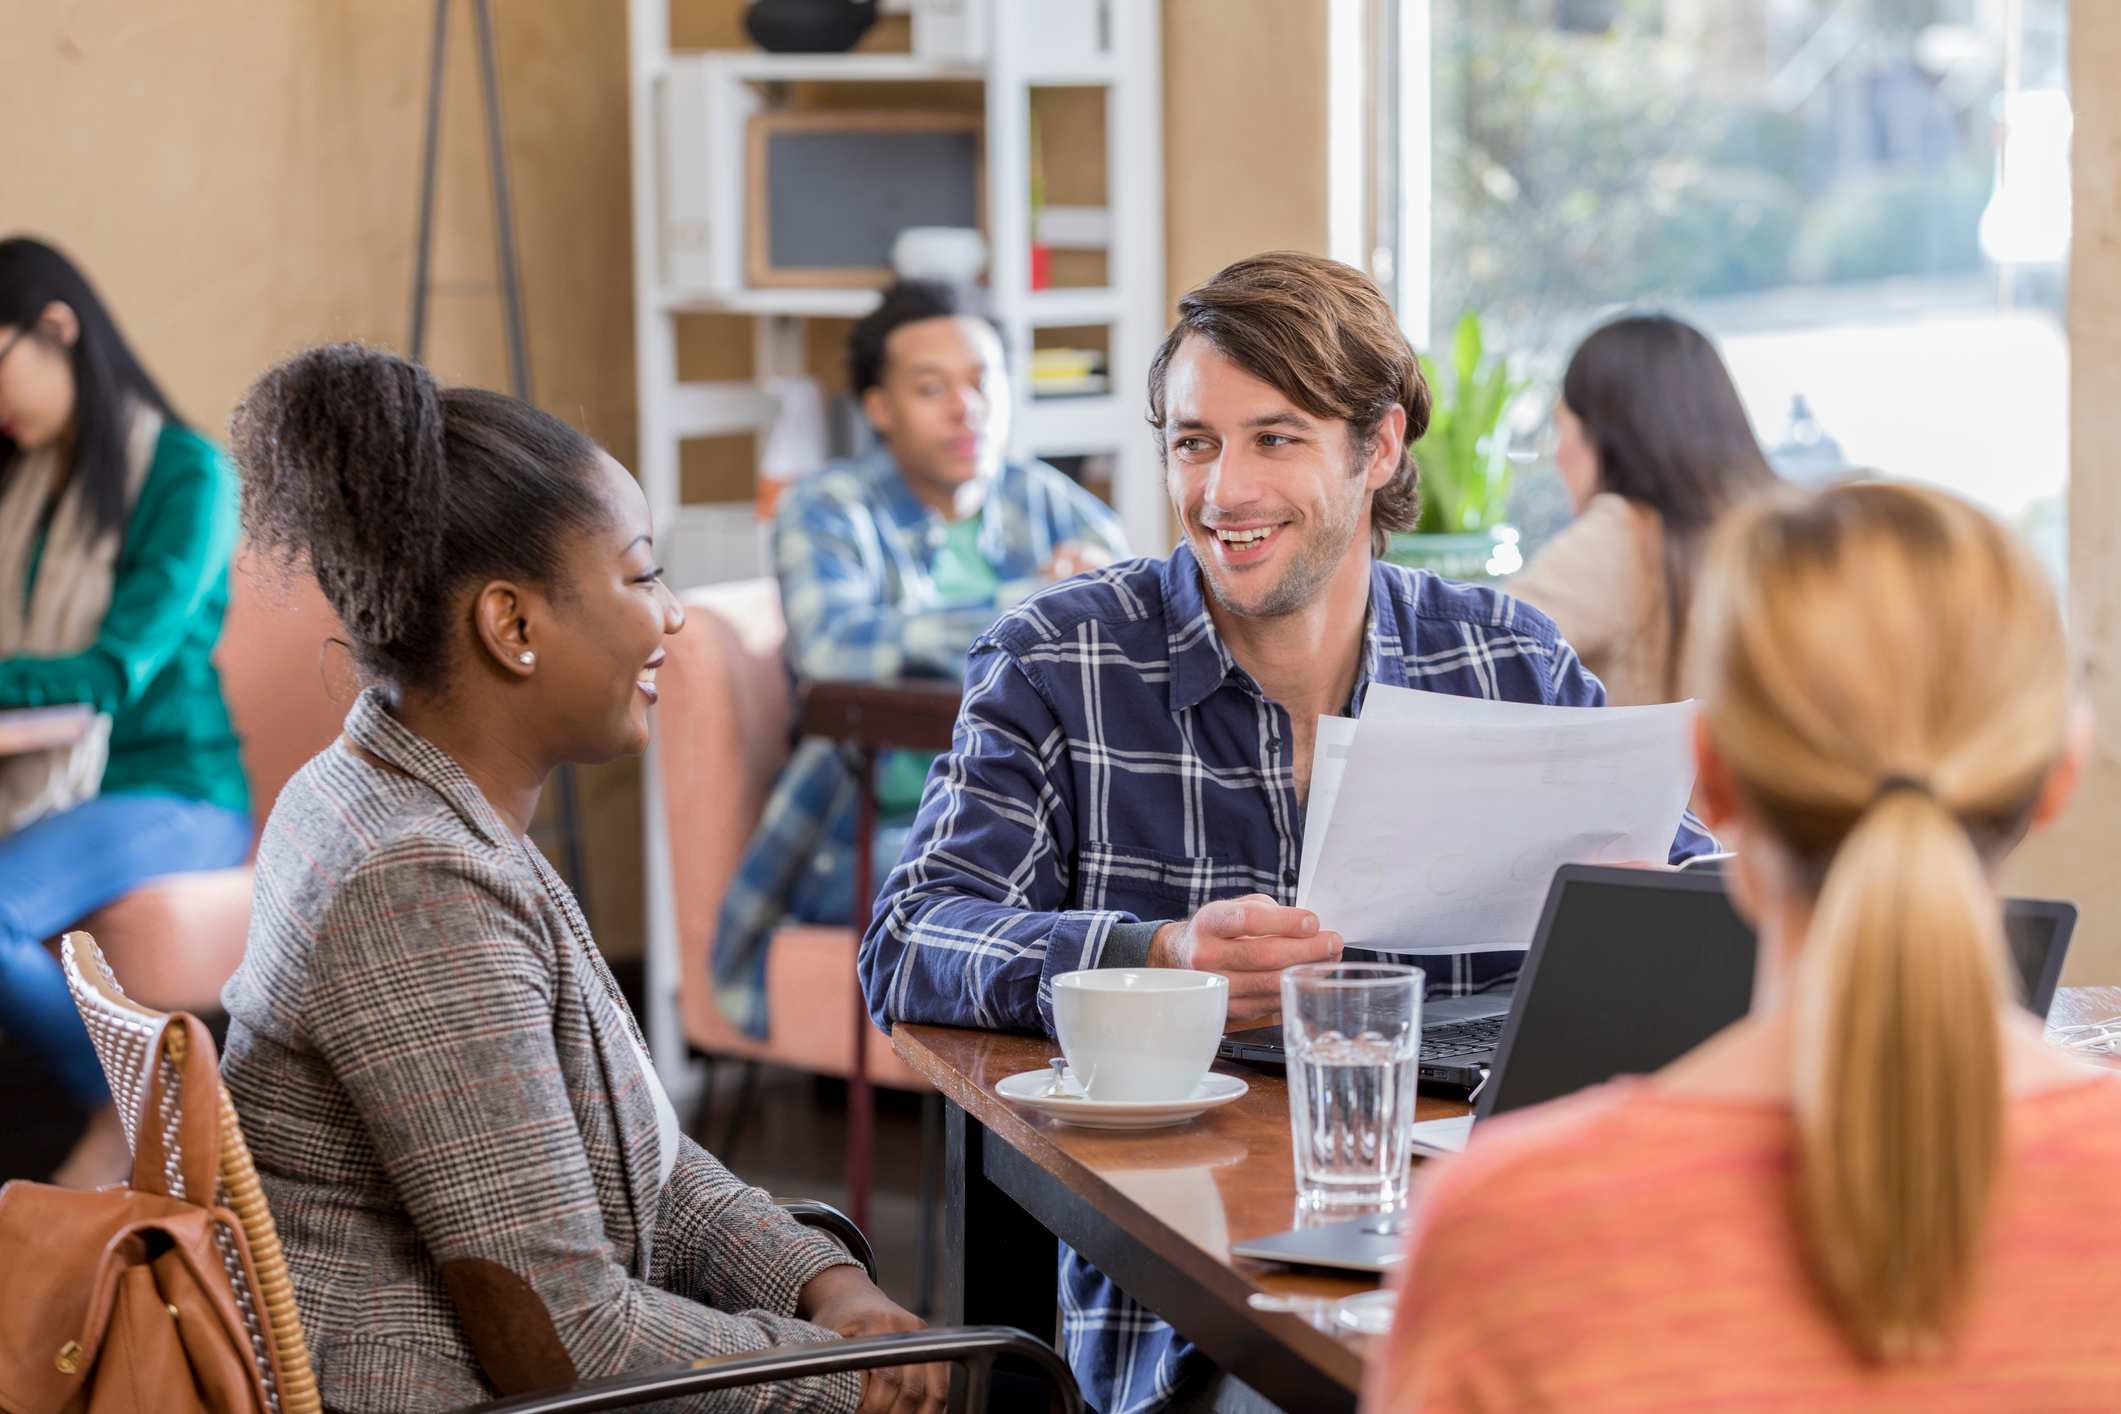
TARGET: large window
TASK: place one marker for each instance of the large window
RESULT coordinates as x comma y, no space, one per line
1866,202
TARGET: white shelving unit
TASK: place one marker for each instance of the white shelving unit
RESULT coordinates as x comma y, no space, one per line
690,111
688,123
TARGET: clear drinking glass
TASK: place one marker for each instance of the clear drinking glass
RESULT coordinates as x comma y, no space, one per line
1352,1031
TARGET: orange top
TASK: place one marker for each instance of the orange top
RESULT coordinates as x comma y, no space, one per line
1629,1248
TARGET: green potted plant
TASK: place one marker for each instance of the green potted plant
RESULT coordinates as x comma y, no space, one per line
1465,466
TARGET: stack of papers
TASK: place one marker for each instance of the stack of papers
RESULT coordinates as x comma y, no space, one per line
1435,822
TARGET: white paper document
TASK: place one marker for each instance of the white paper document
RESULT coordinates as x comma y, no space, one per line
1329,760
1436,822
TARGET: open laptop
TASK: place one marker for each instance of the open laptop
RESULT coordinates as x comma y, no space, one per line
1629,970
1458,1034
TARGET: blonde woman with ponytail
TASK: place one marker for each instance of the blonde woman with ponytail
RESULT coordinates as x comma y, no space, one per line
1880,1189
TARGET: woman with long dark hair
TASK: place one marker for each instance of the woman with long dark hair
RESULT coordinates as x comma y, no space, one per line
117,523
1653,446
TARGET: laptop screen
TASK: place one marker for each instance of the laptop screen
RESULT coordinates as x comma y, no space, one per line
1632,968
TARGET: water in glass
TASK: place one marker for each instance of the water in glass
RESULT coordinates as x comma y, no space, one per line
1353,1043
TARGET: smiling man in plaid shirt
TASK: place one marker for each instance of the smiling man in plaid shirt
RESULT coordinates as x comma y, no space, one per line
1136,745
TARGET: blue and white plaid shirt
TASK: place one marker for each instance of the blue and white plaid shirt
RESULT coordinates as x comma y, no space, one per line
1113,769
852,549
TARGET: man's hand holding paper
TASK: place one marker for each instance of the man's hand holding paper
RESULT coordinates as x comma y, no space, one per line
1248,940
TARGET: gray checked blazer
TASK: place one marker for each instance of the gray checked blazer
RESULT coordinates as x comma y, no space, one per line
437,1077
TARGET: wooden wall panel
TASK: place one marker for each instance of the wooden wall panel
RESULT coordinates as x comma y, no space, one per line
1244,132
239,179
2075,859
169,150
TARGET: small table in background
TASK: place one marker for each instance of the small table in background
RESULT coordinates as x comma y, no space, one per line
867,718
24,729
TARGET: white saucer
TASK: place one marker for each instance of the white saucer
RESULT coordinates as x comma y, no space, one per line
1029,1089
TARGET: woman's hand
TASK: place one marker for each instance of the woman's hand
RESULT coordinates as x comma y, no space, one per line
843,1299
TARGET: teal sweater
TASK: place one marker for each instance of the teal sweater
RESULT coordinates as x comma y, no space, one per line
151,666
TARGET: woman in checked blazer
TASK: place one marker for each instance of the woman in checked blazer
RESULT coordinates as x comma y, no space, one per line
480,1183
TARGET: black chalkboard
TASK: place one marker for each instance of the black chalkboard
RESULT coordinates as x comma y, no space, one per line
831,191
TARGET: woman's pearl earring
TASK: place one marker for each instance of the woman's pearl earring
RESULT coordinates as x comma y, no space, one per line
526,657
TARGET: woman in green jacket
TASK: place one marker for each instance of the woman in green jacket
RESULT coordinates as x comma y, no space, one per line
117,523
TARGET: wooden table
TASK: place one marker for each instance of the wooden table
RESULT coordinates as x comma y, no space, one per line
1156,1210
39,728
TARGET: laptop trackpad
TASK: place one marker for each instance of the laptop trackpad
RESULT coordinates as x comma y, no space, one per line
1442,1011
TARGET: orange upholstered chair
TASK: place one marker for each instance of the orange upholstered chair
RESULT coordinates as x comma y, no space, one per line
177,939
722,735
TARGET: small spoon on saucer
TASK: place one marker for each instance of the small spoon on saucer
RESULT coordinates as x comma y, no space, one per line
1060,1088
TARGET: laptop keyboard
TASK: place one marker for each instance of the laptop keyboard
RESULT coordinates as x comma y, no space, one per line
1461,1038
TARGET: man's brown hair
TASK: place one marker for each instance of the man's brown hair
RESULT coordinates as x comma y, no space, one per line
1322,335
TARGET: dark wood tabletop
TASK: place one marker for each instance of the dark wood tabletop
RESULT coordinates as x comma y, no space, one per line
39,728
1158,1209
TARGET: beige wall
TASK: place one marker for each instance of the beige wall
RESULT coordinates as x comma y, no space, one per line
239,178
1244,132
2077,859
170,149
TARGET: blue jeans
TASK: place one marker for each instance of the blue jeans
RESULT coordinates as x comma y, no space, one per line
825,892
64,867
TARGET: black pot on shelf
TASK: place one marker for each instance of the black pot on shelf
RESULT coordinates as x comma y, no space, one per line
808,26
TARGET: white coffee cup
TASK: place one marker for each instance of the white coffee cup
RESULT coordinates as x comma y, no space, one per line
1139,1033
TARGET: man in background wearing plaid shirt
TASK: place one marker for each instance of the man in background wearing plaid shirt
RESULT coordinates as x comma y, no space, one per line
1128,779
890,565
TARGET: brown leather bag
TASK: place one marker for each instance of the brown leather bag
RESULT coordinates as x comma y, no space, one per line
120,1300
